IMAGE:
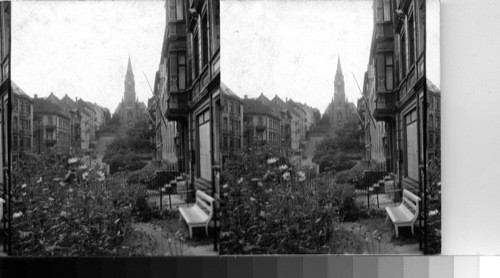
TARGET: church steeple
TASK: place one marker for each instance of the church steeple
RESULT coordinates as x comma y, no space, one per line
129,84
129,67
339,68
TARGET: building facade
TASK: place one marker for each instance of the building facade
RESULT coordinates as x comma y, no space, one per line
22,122
52,134
401,86
262,127
375,136
232,125
192,70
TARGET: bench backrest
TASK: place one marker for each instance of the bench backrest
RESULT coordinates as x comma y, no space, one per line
205,202
411,203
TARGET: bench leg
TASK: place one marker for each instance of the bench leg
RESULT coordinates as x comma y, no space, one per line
190,232
397,230
412,230
206,229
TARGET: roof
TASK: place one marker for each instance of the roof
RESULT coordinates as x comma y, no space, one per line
82,105
432,88
71,103
19,92
339,67
228,92
253,106
43,106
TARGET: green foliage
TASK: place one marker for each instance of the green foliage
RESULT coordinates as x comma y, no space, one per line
266,208
77,219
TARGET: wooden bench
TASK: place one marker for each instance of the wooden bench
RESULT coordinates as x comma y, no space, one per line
406,213
199,214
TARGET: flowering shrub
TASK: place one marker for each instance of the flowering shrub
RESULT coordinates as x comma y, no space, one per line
68,219
268,207
434,207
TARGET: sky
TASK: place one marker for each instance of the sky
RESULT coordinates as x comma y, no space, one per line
82,48
290,48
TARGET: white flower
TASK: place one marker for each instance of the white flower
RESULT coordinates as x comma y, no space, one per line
62,183
260,184
51,199
286,176
252,199
283,167
262,214
64,214
225,186
433,212
240,180
39,180
302,176
23,186
17,214
272,160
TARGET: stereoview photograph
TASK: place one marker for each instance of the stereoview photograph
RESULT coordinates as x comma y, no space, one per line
330,128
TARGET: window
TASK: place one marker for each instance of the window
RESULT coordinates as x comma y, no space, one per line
15,123
403,57
176,10
431,121
438,122
204,36
196,54
216,26
387,10
411,40
380,10
260,121
178,71
421,28
385,71
411,141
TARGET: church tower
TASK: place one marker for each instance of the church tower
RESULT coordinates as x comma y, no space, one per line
129,85
339,93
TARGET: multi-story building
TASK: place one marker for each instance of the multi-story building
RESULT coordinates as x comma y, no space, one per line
262,128
401,86
290,125
232,124
192,60
433,120
52,128
88,115
166,138
76,120
22,122
279,107
375,134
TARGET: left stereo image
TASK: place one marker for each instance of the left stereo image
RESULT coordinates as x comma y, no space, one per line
109,137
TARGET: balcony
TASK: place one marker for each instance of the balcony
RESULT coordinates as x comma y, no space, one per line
50,127
385,106
260,128
177,106
50,142
176,29
384,31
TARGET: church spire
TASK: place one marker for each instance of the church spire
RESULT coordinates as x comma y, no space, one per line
339,68
129,67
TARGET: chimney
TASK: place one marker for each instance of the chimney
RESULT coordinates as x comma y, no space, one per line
246,96
36,96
